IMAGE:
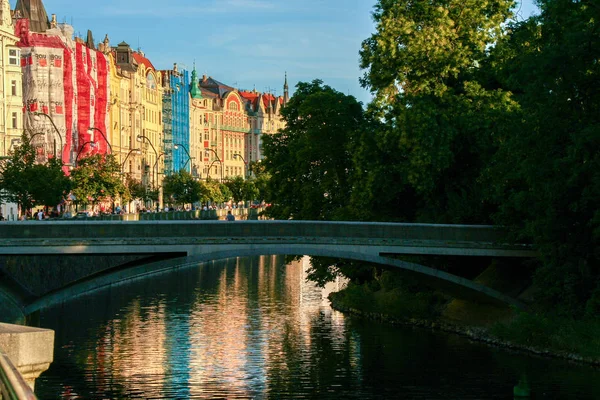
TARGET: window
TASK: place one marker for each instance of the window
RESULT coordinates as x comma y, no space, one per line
13,56
15,120
13,88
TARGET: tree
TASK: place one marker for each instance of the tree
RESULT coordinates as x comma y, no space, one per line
29,184
309,161
436,123
15,180
181,188
241,189
49,183
261,179
546,176
97,179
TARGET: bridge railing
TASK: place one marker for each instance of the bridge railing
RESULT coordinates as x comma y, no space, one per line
240,213
12,383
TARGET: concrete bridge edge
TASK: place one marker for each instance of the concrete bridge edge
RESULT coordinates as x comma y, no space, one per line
138,272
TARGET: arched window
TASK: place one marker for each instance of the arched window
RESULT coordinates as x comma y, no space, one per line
233,106
150,81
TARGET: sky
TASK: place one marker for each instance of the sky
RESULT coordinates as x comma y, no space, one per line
247,44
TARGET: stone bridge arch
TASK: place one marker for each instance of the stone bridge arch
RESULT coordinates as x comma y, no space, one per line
452,284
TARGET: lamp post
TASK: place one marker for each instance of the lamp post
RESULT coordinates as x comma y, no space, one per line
91,130
136,151
37,118
140,138
218,159
34,135
186,152
155,167
92,144
244,161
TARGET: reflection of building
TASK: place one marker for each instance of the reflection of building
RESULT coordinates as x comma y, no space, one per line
11,91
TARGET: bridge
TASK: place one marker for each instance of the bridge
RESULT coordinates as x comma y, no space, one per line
57,259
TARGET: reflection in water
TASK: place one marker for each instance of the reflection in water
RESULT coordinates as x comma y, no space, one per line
255,328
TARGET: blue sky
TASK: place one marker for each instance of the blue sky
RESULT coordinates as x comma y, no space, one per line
243,43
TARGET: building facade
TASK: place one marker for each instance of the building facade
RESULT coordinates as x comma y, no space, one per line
176,111
11,91
65,87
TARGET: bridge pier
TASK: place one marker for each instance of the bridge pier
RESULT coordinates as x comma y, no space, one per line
31,350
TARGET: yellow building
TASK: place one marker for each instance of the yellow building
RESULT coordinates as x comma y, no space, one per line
11,91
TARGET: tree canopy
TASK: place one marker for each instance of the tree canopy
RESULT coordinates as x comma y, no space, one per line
310,160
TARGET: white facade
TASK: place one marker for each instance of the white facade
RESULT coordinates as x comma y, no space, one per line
11,83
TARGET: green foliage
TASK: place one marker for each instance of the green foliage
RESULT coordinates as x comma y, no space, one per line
438,125
557,334
241,189
181,188
97,178
49,184
261,180
394,303
546,175
309,161
29,184
136,188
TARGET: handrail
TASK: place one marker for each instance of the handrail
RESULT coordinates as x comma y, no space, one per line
12,384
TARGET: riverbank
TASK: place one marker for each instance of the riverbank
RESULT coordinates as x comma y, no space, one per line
506,328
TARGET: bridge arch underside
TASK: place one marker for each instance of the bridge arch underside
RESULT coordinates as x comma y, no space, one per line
453,285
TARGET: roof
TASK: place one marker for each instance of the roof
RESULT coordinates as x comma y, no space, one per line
214,86
36,13
269,99
143,60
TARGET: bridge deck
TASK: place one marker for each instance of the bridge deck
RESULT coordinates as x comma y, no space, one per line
93,237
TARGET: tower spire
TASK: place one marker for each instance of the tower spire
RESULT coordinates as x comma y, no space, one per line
286,95
36,13
195,89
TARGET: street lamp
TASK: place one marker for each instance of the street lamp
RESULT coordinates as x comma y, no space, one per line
91,130
218,159
210,166
243,160
136,151
37,118
155,167
92,144
34,135
140,138
186,152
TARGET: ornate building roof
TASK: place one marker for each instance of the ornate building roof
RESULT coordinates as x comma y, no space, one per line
140,58
214,86
35,12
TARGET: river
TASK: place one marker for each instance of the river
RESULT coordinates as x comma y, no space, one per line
253,328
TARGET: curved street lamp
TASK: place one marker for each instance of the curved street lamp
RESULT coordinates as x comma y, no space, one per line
177,145
156,164
218,159
244,161
141,138
136,151
34,135
91,130
37,118
92,144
